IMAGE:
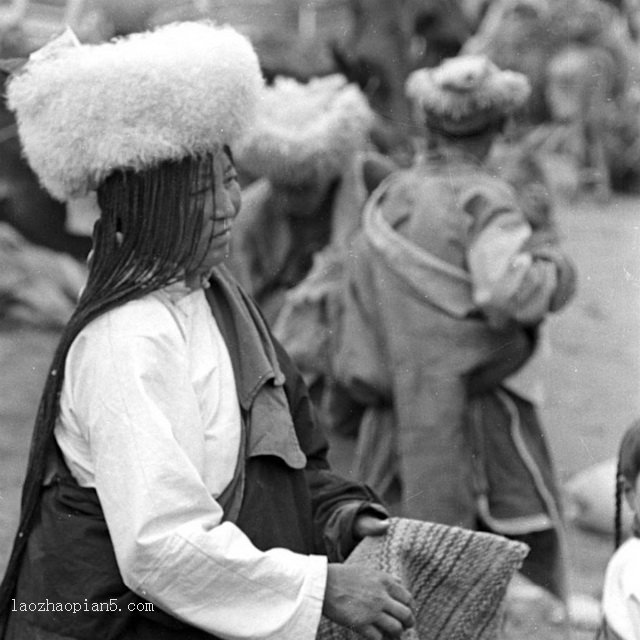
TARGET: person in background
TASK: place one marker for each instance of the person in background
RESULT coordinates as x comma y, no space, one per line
176,475
305,151
621,593
447,287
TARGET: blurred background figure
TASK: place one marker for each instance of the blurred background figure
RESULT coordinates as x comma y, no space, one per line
387,41
447,287
302,151
312,156
581,60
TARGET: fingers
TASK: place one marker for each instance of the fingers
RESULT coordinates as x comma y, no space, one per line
389,626
398,592
401,613
399,603
370,632
396,615
385,626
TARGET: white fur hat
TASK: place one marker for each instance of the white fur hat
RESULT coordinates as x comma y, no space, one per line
466,94
85,110
305,132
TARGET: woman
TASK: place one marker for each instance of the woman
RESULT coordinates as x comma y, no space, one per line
177,486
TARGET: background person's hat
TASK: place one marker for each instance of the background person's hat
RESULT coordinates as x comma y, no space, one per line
466,95
306,132
84,111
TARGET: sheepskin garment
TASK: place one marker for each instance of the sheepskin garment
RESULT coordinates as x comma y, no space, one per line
84,111
457,578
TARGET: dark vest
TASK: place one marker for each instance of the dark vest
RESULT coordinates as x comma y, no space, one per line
70,558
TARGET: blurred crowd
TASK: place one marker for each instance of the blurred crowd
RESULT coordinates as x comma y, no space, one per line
583,114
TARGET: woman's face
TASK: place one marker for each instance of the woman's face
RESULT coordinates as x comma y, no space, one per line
221,206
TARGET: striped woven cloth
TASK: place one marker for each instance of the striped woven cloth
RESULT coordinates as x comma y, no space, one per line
457,577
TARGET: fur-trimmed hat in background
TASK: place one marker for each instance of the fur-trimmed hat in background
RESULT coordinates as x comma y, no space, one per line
467,94
306,132
85,110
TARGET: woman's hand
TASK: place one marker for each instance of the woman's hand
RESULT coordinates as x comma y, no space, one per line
371,602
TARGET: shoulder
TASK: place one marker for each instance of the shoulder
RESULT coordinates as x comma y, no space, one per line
419,181
406,191
144,323
147,315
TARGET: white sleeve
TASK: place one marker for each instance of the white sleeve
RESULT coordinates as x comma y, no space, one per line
131,392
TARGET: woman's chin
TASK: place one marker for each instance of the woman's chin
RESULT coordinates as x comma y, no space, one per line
216,255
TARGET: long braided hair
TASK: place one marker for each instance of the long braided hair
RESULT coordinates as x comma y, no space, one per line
627,474
149,226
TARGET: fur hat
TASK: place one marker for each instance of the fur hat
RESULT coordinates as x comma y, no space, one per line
85,110
465,95
306,132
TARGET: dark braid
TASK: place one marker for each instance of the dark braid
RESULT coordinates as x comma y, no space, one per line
145,239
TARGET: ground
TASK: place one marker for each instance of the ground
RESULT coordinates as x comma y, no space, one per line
591,382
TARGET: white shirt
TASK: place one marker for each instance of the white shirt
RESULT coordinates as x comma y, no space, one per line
149,417
621,595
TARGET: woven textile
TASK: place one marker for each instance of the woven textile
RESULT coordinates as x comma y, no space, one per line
457,578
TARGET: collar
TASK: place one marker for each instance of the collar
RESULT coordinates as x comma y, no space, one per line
246,335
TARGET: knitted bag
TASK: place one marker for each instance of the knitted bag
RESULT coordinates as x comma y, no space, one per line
457,578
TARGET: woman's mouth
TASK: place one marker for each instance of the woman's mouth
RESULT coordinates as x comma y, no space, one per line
222,228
